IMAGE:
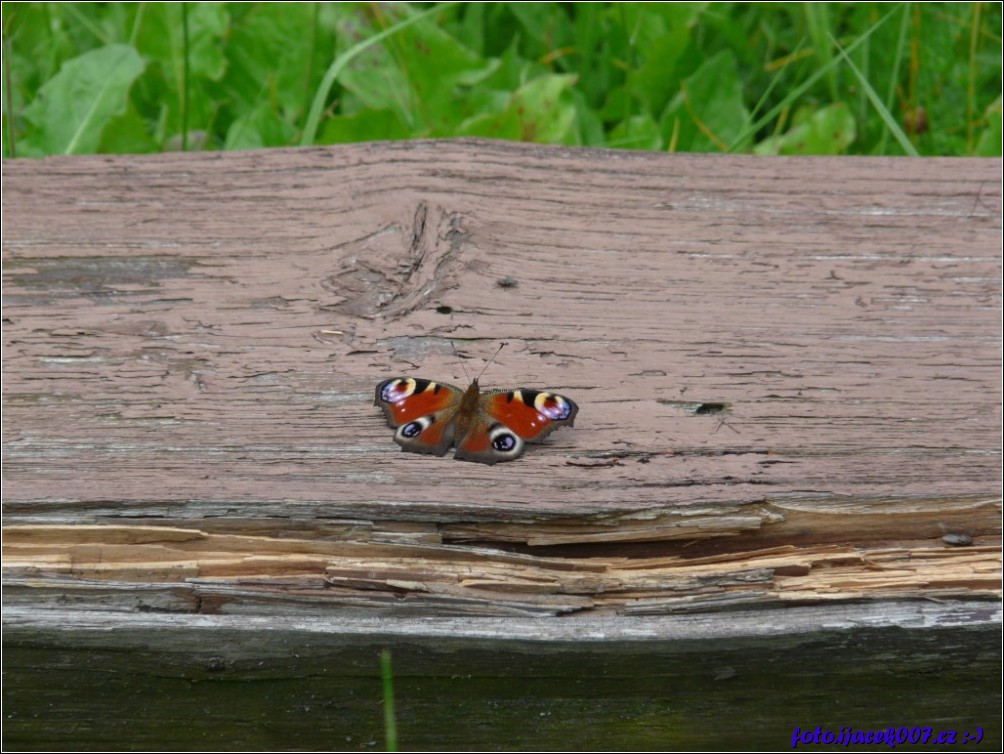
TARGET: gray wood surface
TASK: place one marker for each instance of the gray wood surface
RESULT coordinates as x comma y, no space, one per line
190,334
745,681
788,369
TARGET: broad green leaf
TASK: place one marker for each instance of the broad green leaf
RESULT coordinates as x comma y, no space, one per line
509,72
591,56
989,144
350,56
588,131
160,36
260,127
271,53
368,125
421,73
129,133
169,99
474,26
619,105
824,132
637,132
435,67
656,78
708,113
36,42
73,108
493,93
545,26
538,112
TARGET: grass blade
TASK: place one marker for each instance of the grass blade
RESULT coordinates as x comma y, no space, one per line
807,84
389,720
184,77
880,108
335,69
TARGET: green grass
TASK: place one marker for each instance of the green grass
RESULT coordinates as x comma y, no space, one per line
785,78
387,685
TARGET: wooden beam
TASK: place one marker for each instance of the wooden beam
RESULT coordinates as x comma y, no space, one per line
795,353
780,501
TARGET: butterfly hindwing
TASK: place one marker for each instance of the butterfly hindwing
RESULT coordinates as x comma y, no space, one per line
506,419
422,411
488,441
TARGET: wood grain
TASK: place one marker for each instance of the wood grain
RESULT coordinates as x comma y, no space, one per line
218,573
766,352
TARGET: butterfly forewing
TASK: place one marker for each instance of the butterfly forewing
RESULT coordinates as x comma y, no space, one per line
404,399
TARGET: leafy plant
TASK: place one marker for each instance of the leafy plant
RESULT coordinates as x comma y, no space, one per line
782,78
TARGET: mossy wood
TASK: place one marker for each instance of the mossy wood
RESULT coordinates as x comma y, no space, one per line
788,374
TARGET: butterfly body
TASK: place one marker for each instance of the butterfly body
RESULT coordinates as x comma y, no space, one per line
489,427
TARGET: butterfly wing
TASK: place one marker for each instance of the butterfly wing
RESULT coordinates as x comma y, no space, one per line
422,411
506,419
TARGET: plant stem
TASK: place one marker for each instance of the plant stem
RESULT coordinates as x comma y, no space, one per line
390,723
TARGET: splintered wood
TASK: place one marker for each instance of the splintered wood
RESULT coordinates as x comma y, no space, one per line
228,570
787,373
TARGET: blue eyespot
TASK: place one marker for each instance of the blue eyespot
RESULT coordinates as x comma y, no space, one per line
504,442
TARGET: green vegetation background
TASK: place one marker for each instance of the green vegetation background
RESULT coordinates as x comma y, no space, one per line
782,78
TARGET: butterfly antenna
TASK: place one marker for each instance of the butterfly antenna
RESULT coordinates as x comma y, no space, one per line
491,360
459,360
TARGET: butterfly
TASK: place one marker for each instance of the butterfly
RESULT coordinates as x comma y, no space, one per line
485,427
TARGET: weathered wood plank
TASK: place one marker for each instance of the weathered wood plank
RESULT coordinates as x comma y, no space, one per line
116,680
766,352
188,334
781,499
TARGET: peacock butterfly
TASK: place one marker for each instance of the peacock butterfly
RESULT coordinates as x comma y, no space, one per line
486,427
